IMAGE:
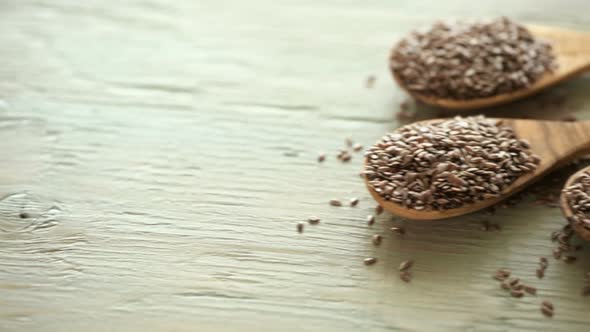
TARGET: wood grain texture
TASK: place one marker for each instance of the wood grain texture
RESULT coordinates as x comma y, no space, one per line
165,151
572,54
556,143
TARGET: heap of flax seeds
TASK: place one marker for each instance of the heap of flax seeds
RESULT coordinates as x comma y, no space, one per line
577,196
465,61
448,163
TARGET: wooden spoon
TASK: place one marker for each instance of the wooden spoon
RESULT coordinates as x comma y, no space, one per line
555,142
572,52
567,211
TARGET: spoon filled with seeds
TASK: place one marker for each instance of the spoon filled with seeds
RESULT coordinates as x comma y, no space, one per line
575,202
486,63
442,168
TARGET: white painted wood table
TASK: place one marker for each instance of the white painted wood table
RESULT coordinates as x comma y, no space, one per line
165,150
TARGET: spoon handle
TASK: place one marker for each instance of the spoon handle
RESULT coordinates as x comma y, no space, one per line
556,142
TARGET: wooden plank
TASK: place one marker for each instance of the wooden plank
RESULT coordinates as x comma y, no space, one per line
165,152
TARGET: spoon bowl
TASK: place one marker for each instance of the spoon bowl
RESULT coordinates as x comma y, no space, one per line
582,231
555,142
572,55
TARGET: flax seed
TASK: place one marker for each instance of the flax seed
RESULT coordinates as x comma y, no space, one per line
428,166
398,230
354,201
569,259
548,312
370,219
517,293
24,215
405,265
357,147
514,281
504,272
300,227
321,158
377,239
466,61
518,287
335,202
313,220
547,304
540,273
530,289
370,261
406,276
499,277
577,197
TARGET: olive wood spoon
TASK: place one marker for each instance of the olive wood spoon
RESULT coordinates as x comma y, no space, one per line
555,142
572,53
582,231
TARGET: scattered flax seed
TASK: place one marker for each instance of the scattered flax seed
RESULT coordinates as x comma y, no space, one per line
405,276
504,272
370,81
547,304
24,215
377,239
335,202
370,219
505,284
530,289
499,277
405,265
354,201
569,259
586,291
398,230
540,273
517,293
518,287
370,261
556,253
547,308
543,261
357,147
321,158
546,311
313,220
378,209
300,227
343,156
514,281
447,163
